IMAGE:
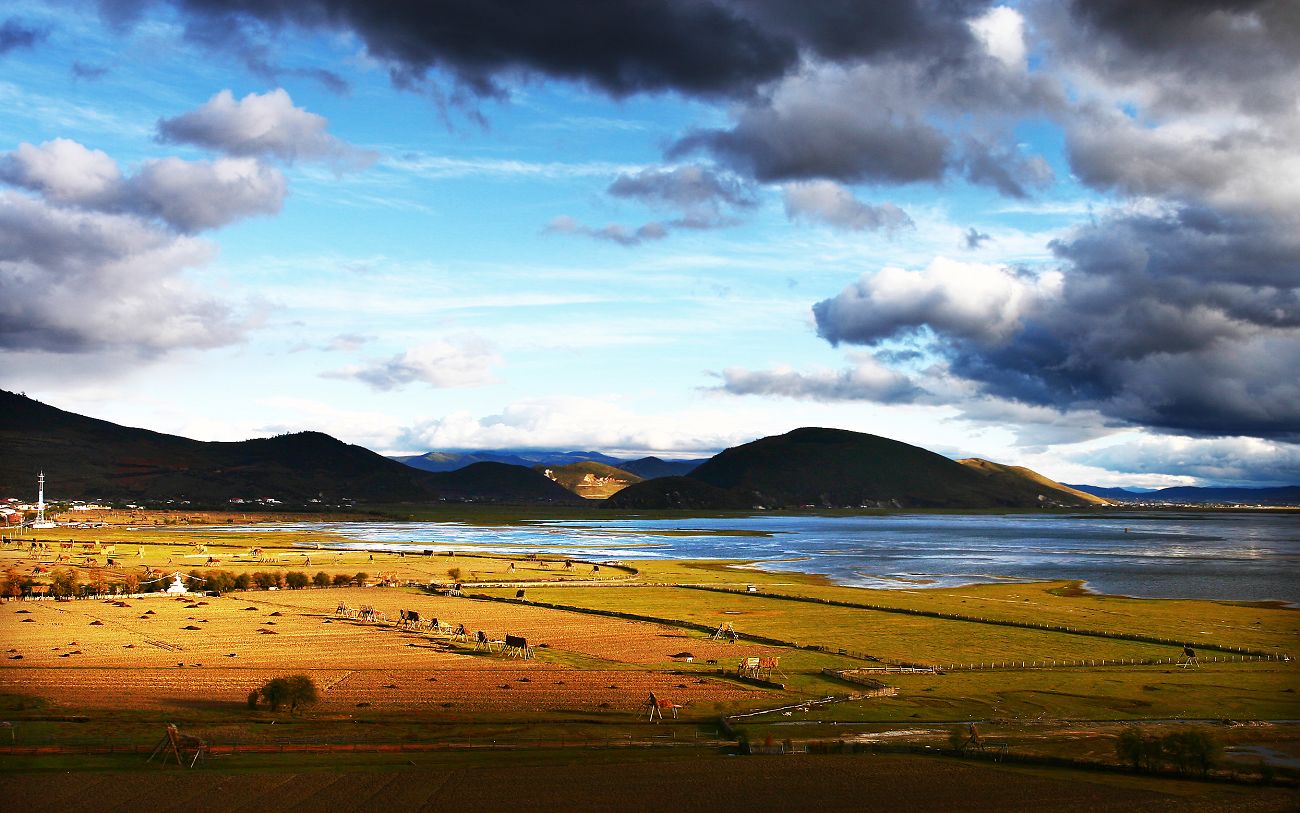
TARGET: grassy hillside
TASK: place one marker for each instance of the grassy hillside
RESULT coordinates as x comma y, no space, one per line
1018,476
89,458
838,468
589,479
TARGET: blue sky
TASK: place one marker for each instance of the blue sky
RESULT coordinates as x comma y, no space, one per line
1052,254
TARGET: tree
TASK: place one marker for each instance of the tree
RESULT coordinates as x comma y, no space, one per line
64,582
360,578
296,579
98,581
13,586
321,579
296,690
243,581
342,580
267,580
1136,748
131,582
302,691
453,573
1128,747
1191,750
275,692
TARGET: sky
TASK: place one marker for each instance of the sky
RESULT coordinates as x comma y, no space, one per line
1053,234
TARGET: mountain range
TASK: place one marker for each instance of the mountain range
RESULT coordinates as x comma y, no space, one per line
1184,495
90,458
645,467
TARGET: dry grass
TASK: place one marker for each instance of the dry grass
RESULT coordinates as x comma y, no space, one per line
145,655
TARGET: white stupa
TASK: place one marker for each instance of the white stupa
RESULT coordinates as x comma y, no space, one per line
41,521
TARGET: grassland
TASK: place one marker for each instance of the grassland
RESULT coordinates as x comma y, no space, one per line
193,660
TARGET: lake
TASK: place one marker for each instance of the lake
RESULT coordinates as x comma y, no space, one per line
1238,555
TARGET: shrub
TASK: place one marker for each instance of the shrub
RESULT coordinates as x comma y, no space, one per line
321,579
342,580
252,698
243,581
1129,747
957,738
1191,750
360,578
453,573
296,579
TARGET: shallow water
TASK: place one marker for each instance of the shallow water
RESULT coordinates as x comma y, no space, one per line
1241,556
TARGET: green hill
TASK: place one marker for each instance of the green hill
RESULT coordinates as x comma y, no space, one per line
589,479
89,458
838,468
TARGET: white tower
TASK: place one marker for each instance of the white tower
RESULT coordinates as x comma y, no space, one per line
41,521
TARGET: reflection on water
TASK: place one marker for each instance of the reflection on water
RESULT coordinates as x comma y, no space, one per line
1241,556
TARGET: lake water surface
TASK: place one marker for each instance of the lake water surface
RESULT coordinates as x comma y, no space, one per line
1240,555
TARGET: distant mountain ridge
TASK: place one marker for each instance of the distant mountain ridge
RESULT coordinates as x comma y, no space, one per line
837,468
86,457
645,467
528,458
1281,495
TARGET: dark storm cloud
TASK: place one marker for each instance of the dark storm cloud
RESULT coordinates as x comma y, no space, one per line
809,138
1239,39
891,121
14,34
1186,321
694,47
1201,55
